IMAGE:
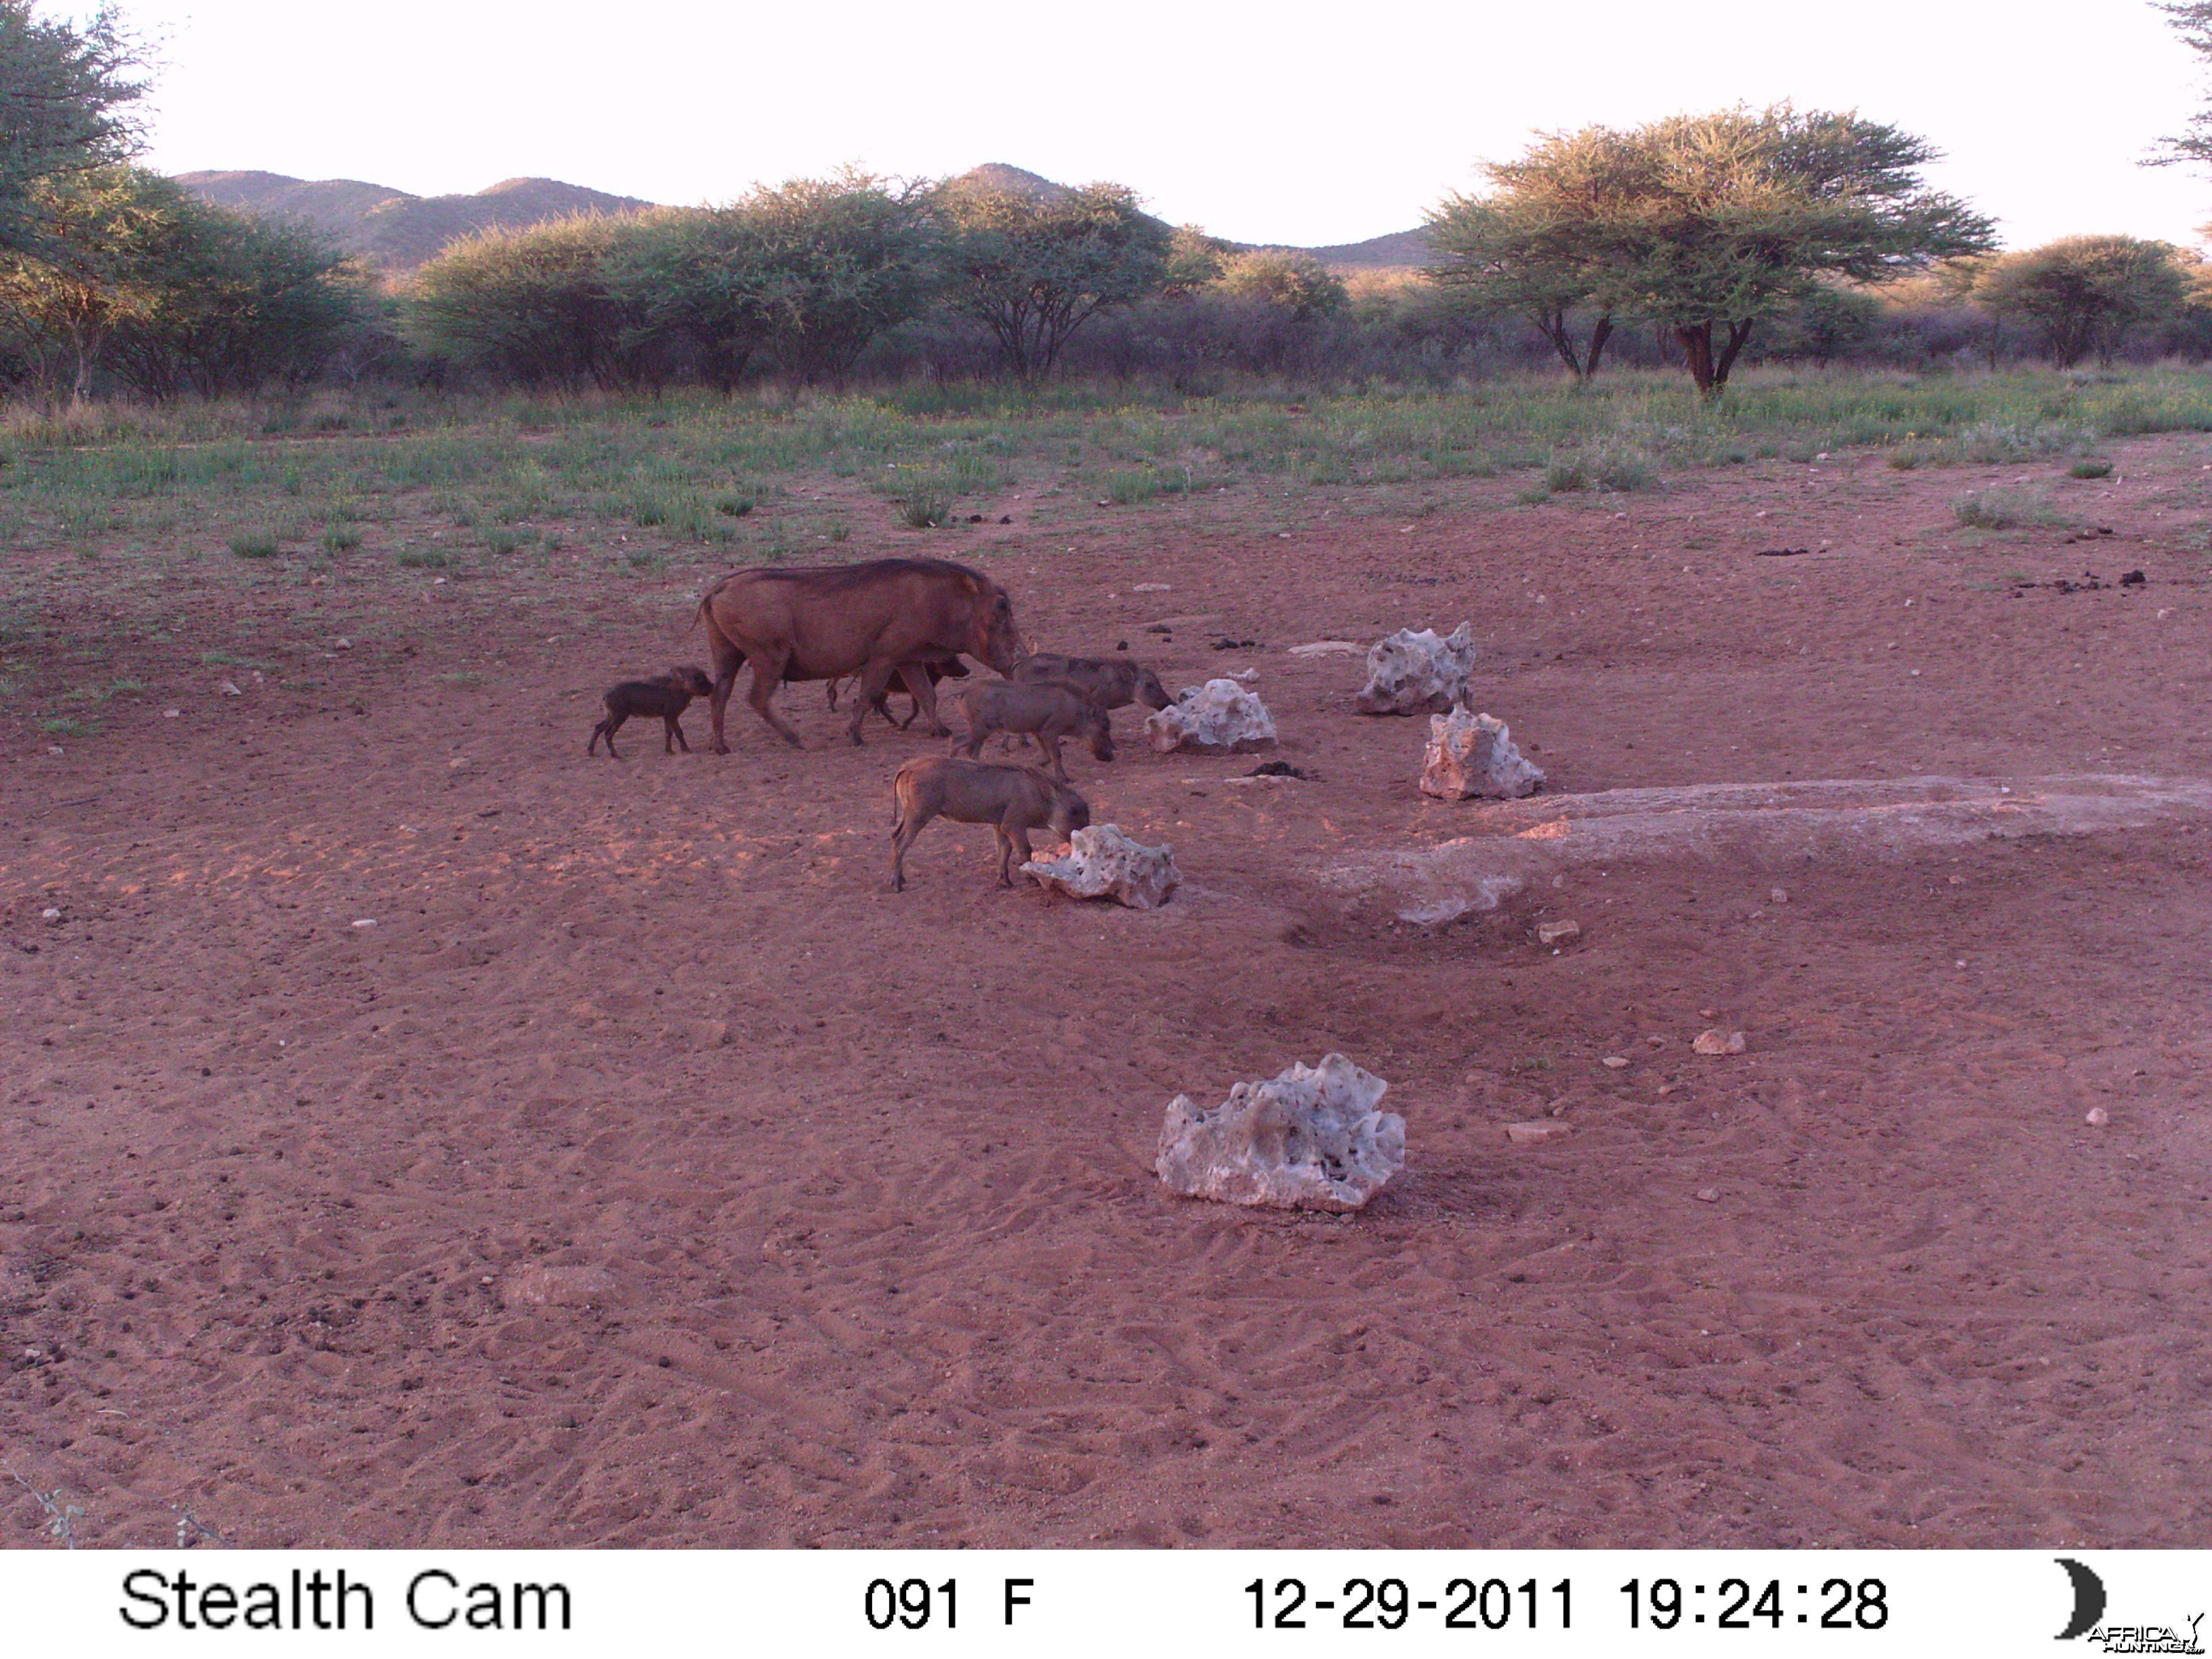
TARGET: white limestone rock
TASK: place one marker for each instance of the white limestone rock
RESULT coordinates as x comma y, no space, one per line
1472,756
1309,1138
1217,718
1102,862
1408,673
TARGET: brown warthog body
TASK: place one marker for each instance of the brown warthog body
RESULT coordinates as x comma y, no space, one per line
666,696
938,669
829,621
1115,682
1048,711
1012,799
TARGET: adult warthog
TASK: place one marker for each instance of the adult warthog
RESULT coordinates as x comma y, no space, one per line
829,621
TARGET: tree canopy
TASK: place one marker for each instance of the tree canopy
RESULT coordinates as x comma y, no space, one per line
1035,269
1703,224
2193,22
64,91
2083,294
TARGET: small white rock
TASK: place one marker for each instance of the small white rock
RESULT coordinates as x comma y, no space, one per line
1471,756
1554,934
2098,1116
50,914
228,689
1709,1195
1327,648
1778,895
1714,1041
171,714
1151,587
1531,1134
1615,1062
366,922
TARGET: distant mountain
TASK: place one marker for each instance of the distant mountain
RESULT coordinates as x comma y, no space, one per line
1020,181
1400,250
395,230
391,228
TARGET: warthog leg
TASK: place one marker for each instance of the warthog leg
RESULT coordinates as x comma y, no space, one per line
1012,838
911,824
728,660
768,674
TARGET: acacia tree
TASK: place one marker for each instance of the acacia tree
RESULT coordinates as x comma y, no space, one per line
841,260
1525,248
62,95
148,287
696,280
533,306
1706,224
1035,269
1285,280
2083,294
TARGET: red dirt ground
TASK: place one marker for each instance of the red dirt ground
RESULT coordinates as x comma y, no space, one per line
650,1174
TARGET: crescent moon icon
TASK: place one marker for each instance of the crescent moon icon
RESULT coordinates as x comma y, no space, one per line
2088,1599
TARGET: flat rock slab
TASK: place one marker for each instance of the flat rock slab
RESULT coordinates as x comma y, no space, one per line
1512,844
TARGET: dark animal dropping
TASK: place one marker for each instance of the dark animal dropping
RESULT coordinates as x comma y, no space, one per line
1780,552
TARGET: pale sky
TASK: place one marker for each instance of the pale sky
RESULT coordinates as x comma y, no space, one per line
1280,123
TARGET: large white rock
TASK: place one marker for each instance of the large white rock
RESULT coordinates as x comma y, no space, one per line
1102,862
1215,718
1472,756
1409,672
1309,1138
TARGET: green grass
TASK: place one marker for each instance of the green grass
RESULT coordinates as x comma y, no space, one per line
666,471
423,558
2092,467
340,538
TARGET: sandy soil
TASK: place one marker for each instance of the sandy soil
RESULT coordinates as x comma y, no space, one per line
649,1174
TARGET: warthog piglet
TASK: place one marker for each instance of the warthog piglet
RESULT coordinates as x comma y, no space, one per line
1114,682
1049,710
1012,799
666,696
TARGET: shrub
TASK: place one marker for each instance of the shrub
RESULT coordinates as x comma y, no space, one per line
341,539
1564,475
1127,489
2090,469
2005,509
423,558
925,512
253,544
733,505
1904,461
